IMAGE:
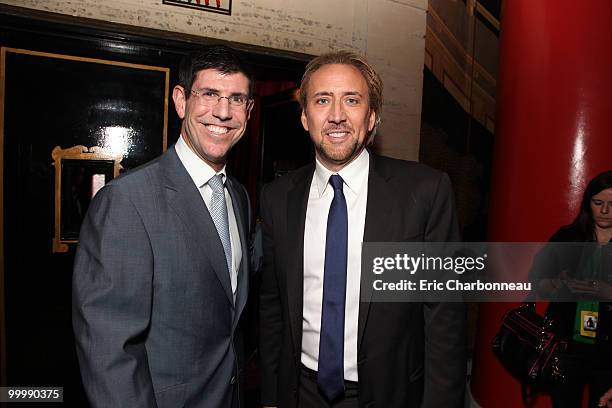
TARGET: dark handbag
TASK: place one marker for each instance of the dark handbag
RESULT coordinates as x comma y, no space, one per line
529,349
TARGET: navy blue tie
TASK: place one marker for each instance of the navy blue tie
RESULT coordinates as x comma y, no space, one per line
331,343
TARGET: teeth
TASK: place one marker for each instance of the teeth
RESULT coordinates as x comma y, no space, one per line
217,129
337,134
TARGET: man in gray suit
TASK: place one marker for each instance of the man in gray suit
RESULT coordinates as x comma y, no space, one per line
161,273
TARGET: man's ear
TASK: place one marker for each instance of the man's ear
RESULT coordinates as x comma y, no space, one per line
372,121
178,96
250,105
304,120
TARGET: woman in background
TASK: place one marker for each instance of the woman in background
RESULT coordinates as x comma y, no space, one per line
586,274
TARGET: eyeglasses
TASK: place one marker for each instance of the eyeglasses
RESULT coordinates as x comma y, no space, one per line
211,98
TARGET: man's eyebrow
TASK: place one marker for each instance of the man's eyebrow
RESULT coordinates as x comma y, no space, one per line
327,93
207,89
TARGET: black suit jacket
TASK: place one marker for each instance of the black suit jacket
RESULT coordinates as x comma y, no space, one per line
409,354
154,318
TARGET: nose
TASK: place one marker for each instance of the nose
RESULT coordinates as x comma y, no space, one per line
605,208
222,110
336,113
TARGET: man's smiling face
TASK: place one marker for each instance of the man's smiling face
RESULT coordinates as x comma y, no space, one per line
337,114
210,131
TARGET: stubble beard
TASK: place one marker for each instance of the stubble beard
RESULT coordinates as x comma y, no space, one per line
338,154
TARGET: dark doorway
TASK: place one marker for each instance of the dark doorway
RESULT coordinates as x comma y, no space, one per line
286,145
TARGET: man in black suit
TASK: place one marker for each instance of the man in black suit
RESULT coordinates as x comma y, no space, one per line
161,273
320,345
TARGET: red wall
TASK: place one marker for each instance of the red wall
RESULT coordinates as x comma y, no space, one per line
553,134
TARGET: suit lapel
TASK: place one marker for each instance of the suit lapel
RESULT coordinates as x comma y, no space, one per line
186,201
297,202
240,208
378,205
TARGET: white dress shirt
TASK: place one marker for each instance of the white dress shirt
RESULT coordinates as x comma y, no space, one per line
201,173
355,176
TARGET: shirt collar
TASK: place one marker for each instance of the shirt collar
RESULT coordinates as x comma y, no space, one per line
199,171
354,174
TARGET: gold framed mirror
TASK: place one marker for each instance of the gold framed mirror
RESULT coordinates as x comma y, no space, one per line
80,172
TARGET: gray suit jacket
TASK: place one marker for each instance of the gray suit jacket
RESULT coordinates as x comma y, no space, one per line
153,313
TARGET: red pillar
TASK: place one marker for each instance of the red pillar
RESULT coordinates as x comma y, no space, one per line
553,134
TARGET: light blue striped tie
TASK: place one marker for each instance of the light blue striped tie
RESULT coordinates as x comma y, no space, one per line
218,212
